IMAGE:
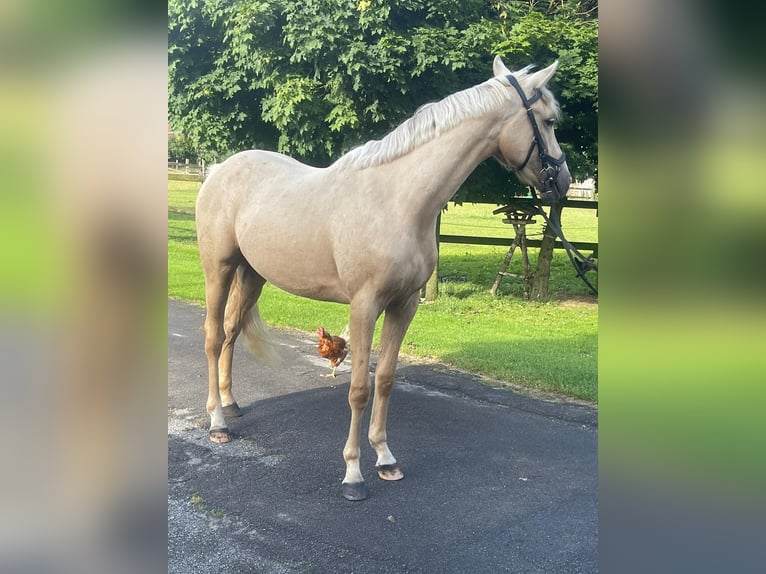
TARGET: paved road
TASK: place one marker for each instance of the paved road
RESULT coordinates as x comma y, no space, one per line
495,481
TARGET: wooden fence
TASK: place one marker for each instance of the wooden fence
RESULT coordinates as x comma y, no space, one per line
431,289
183,170
506,241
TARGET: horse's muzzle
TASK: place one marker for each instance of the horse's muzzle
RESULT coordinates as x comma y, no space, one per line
554,184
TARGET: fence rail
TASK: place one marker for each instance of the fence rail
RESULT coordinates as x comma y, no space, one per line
187,171
526,203
506,241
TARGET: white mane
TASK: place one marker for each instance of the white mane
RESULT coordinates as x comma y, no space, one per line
431,120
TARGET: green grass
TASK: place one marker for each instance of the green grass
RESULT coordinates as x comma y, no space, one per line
546,346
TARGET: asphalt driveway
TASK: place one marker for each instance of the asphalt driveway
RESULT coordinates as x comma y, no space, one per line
494,481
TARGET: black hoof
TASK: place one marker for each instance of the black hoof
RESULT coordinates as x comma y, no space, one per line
356,491
219,436
231,411
389,471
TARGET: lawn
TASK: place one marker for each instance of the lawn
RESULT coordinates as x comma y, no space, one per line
549,346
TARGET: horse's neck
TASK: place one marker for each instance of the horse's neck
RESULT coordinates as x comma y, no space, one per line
431,174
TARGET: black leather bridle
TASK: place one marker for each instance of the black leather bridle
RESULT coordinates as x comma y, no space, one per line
550,193
549,166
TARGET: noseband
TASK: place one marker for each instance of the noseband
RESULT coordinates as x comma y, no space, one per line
549,166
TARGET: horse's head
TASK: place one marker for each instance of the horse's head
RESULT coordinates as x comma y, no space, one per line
527,143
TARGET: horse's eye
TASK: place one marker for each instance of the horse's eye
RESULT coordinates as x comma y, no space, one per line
550,122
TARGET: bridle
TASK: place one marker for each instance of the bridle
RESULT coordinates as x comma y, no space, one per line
549,166
551,194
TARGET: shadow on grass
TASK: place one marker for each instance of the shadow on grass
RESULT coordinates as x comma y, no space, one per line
566,366
456,291
181,227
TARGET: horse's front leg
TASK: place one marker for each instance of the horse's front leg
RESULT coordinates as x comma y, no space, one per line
363,317
397,320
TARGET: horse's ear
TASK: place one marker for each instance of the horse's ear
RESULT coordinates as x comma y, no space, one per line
498,68
541,77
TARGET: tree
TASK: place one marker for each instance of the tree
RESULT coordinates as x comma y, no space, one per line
182,148
315,78
567,31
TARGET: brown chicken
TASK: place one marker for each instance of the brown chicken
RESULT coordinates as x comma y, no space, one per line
332,348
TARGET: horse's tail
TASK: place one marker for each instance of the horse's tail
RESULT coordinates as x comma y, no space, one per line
257,338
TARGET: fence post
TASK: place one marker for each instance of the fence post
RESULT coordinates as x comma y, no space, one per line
432,285
539,290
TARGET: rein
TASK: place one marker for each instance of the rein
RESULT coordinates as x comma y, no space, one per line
581,263
550,168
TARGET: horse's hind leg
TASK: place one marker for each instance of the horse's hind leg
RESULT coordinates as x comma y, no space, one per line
395,324
218,277
244,292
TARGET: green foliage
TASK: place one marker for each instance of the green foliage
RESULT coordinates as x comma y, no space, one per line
542,31
315,78
182,147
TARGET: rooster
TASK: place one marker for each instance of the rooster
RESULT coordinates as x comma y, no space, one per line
333,348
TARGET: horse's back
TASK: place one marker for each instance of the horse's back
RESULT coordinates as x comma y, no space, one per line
244,173
271,209
246,179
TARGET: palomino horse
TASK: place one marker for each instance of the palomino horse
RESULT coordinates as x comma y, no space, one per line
361,232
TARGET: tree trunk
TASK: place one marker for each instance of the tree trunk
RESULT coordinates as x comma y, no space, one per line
543,272
432,285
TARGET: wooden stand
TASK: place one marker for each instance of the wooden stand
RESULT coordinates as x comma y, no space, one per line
519,218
